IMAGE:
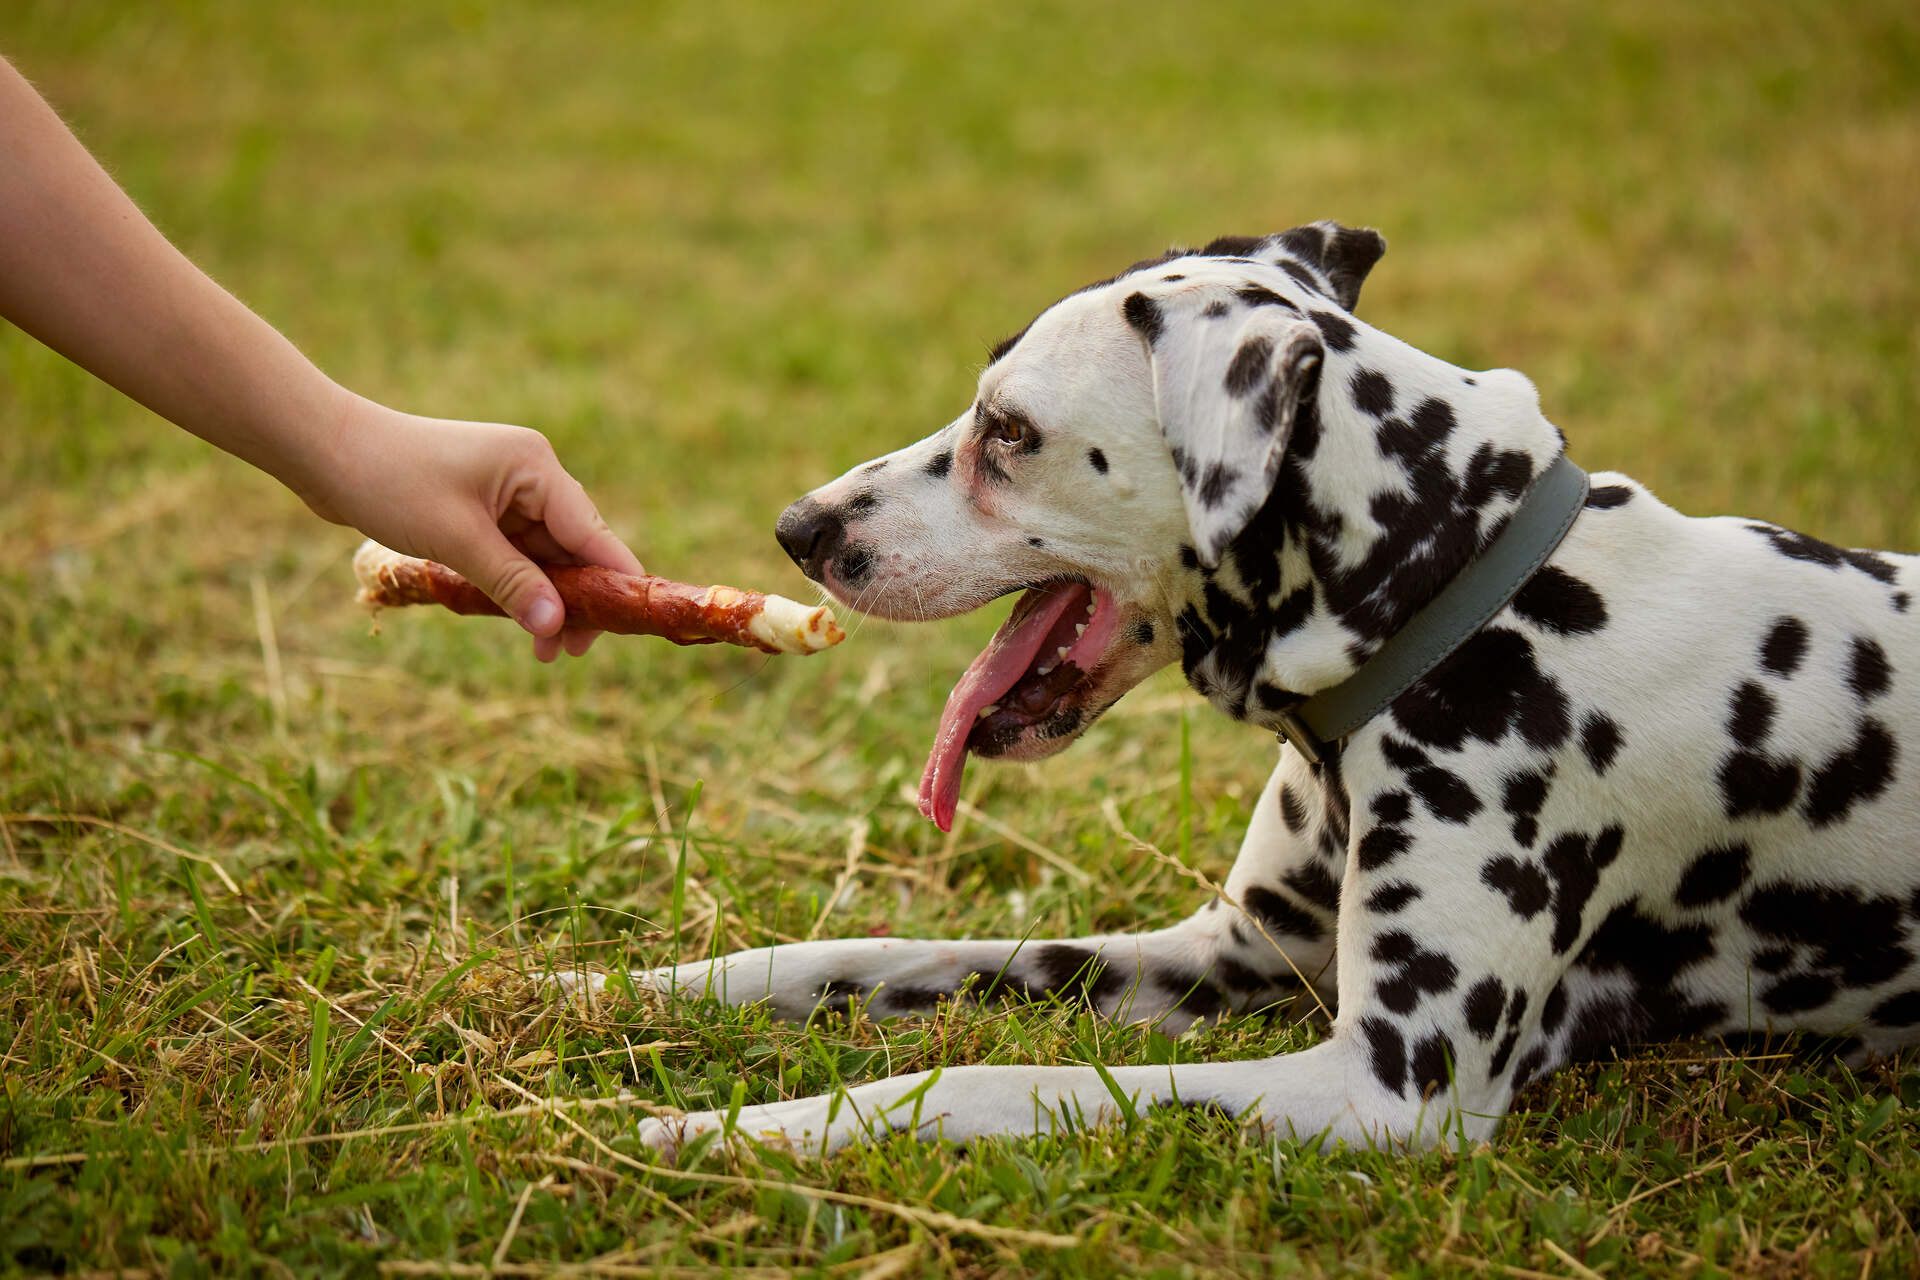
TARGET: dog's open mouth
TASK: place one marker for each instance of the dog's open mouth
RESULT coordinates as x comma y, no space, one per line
1032,680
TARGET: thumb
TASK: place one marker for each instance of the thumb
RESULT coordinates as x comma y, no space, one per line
514,583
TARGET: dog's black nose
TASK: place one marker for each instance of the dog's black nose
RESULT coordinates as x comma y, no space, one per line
810,532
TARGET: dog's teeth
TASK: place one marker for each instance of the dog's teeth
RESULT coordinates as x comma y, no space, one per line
1079,628
988,710
1061,652
1045,669
1090,608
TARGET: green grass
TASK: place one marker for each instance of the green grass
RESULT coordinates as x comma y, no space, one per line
720,253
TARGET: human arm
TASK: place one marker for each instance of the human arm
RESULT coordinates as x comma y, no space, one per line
84,271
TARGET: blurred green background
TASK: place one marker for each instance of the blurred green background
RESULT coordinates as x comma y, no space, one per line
719,253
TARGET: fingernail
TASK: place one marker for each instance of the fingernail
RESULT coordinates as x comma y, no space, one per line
542,616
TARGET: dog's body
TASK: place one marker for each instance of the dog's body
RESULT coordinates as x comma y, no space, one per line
1663,792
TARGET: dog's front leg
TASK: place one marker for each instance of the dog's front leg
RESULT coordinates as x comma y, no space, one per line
1327,1091
1269,938
1169,977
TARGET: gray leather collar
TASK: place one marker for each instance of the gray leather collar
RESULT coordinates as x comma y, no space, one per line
1444,623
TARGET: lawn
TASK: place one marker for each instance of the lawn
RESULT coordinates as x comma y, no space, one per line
272,886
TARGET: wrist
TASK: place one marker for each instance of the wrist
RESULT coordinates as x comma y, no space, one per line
324,456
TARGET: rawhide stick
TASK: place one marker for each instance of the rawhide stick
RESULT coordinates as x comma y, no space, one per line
600,599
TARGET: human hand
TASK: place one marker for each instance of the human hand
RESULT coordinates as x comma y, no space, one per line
483,498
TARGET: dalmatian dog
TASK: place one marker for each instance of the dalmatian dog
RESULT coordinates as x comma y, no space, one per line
1661,792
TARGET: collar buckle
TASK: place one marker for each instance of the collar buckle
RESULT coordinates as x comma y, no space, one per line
1293,730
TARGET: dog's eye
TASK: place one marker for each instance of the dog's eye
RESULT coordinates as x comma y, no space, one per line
1011,430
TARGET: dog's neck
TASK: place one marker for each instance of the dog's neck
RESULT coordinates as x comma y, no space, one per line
1402,470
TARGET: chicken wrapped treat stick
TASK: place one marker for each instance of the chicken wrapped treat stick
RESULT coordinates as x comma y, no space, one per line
601,599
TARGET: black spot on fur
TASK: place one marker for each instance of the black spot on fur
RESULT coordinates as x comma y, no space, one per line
1260,296
1574,863
1606,496
1414,971
1505,1051
1798,546
1714,876
1280,916
1485,999
1526,889
1217,483
856,562
1902,1010
1036,542
1600,740
1751,780
1386,1054
1392,897
1097,460
1432,1064
1314,883
1848,777
1336,329
1350,255
1868,671
1798,992
940,464
1523,795
1372,392
1238,977
1486,688
1557,601
1292,812
1900,601
1197,996
1143,313
1174,277
1418,443
1751,712
1074,972
1433,420
1784,647
1380,846
1233,246
1840,936
1302,277
861,503
1754,783
1249,365
1445,794
1216,309
1553,1010
1143,632
1529,1065
1391,806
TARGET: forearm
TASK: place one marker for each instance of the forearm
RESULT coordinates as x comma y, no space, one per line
84,271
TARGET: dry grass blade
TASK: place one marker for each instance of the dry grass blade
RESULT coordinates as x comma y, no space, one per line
340,1135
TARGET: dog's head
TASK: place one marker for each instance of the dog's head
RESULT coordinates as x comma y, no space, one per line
1115,447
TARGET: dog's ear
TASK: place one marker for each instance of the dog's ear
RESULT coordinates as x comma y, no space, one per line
1342,255
1229,385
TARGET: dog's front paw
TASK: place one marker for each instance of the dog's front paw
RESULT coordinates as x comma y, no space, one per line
794,1126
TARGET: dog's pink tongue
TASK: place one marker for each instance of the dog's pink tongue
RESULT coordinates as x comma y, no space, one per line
998,668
